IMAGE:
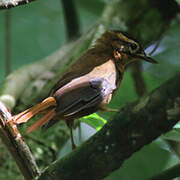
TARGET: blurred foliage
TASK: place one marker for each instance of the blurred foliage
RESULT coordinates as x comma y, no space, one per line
37,31
8,167
145,163
173,135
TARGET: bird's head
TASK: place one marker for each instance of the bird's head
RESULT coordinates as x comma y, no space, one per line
125,49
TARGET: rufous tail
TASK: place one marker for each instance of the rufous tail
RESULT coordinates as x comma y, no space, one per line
29,113
45,119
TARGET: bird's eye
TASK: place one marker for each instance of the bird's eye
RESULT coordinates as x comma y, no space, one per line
133,47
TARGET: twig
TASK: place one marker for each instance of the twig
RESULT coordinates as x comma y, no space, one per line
6,4
138,79
71,19
16,145
7,41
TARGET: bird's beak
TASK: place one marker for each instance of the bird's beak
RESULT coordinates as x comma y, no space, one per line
146,58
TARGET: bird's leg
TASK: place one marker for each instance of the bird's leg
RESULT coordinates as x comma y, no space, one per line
72,139
105,108
111,109
70,125
103,105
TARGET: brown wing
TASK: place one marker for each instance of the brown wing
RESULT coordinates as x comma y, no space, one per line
76,97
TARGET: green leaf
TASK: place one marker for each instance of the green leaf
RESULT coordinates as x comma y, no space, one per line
172,135
94,120
177,126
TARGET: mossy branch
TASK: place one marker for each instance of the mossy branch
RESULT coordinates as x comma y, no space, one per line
16,145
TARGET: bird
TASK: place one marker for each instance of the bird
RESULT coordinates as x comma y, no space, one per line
89,84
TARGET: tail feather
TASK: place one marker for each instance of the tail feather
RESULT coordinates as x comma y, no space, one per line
29,113
45,119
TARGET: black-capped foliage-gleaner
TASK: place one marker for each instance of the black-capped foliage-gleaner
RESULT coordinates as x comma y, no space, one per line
89,84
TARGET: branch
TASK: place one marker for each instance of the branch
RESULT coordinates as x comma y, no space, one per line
136,72
136,125
16,145
17,82
71,19
6,4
